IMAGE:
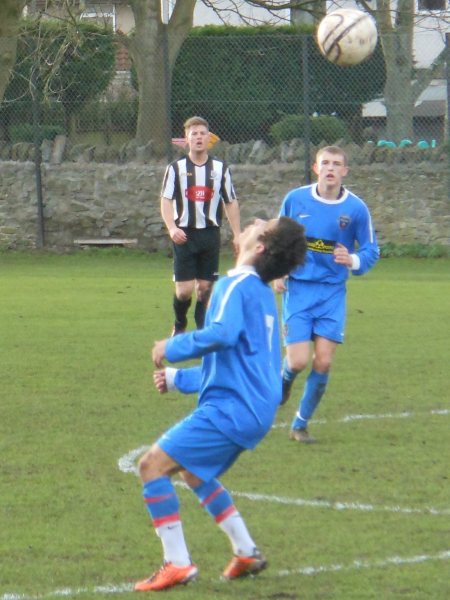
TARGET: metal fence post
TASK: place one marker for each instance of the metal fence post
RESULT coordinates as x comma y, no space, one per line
447,132
37,159
306,109
167,78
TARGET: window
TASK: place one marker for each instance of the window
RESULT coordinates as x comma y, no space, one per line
101,13
432,4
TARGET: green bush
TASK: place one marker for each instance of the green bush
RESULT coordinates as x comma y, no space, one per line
242,80
120,115
389,250
26,133
322,129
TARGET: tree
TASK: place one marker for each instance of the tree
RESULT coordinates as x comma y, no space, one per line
154,46
10,14
147,45
59,62
403,86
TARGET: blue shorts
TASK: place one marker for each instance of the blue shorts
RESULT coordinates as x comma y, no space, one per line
313,309
199,447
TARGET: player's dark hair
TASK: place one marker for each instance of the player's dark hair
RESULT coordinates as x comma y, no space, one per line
285,248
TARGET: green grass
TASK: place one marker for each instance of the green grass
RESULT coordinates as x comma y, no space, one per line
77,394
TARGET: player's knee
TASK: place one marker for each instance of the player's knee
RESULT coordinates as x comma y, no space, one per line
322,364
184,295
147,466
297,363
203,294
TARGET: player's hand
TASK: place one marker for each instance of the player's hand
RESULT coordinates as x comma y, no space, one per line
158,353
178,236
279,285
159,379
236,245
342,256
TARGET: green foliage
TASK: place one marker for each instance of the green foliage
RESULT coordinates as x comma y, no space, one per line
243,79
26,133
63,65
112,116
390,249
322,129
77,394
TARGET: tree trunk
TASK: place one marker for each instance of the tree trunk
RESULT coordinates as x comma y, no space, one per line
10,14
396,32
398,93
152,66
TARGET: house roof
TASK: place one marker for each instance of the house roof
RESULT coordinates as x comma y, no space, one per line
432,102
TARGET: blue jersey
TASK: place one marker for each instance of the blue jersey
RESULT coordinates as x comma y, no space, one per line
329,222
239,380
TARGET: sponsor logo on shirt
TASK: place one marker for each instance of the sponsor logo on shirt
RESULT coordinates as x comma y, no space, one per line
199,193
322,246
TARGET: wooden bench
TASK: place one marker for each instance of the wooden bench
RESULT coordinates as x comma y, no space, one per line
106,242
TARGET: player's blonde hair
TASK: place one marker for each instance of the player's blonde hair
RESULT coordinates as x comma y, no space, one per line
332,150
195,121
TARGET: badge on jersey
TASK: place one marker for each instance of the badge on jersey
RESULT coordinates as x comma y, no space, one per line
344,221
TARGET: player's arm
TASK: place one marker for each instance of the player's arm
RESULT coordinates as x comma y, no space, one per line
368,252
233,213
177,235
186,381
222,332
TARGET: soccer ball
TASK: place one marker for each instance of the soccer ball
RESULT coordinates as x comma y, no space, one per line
347,36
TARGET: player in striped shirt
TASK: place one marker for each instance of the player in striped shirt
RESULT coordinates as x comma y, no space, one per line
196,189
341,240
239,386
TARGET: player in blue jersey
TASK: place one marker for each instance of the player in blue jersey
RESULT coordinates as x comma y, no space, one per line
341,240
239,391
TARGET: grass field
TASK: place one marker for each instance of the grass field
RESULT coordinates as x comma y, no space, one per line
362,515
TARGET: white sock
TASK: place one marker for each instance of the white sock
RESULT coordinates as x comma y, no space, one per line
238,534
174,544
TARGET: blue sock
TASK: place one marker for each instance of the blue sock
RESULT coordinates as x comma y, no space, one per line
313,391
286,372
161,501
215,499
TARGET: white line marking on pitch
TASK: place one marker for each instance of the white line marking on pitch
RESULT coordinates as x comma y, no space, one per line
126,464
351,418
367,564
333,568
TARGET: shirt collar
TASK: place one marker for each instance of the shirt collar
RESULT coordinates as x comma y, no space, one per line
241,270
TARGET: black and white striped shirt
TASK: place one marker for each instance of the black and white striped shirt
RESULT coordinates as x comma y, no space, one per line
197,192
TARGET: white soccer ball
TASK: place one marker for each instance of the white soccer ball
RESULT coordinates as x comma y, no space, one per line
347,36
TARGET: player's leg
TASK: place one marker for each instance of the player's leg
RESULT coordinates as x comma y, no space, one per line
203,289
295,361
205,452
219,504
314,389
207,271
181,303
161,500
328,330
184,277
297,331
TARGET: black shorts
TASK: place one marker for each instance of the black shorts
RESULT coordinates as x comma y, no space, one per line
198,258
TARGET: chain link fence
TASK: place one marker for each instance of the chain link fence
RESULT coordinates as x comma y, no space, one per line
273,88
